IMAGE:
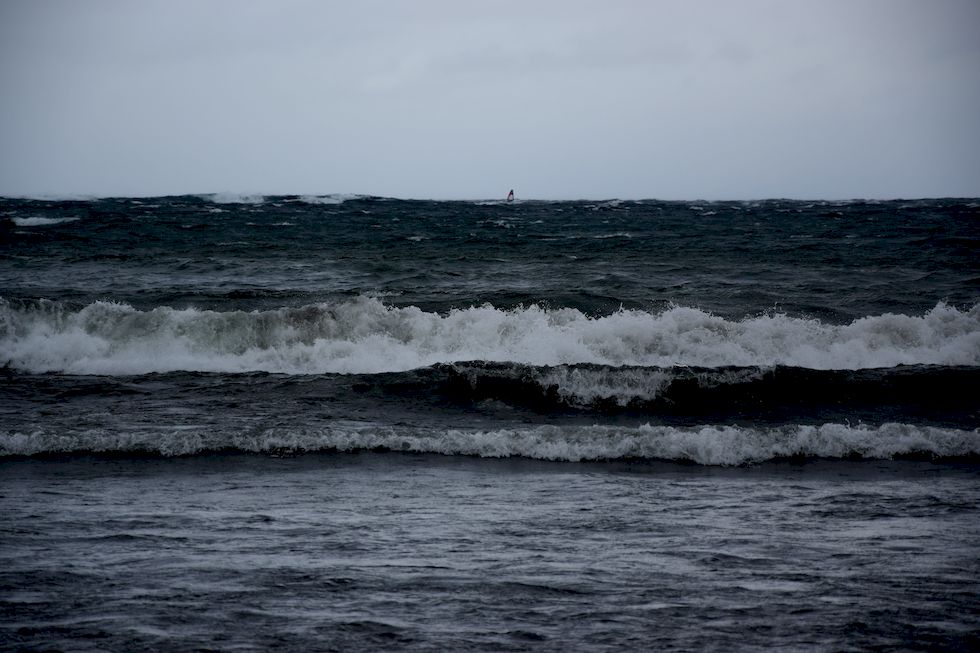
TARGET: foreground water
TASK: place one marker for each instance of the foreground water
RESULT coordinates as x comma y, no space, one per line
328,423
423,553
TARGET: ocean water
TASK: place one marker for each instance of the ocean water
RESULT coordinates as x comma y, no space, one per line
234,422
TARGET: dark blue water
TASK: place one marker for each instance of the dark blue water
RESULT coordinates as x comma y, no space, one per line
833,261
326,423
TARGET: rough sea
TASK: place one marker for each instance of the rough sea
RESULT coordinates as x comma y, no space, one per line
349,423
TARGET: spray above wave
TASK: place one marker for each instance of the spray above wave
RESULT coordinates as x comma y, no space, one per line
707,445
366,336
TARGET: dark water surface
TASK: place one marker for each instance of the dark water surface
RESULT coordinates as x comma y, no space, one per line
829,260
358,423
409,552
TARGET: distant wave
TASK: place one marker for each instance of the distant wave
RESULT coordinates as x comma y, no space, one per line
257,198
57,197
338,198
705,445
365,335
234,198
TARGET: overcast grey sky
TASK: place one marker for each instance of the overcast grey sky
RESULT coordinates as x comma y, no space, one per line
685,99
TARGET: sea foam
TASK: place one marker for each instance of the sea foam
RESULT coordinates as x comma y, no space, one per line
366,336
705,445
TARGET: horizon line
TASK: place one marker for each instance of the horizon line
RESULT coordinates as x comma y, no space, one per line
256,197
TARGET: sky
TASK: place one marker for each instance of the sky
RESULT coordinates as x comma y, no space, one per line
449,99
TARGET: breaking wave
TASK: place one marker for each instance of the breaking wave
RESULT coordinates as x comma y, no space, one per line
705,445
366,336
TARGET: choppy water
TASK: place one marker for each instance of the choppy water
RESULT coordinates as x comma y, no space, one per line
399,552
322,423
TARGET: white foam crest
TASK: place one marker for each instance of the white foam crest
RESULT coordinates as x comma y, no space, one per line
234,198
366,336
40,222
618,234
336,198
704,445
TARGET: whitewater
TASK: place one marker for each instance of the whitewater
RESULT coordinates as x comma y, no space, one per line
366,336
